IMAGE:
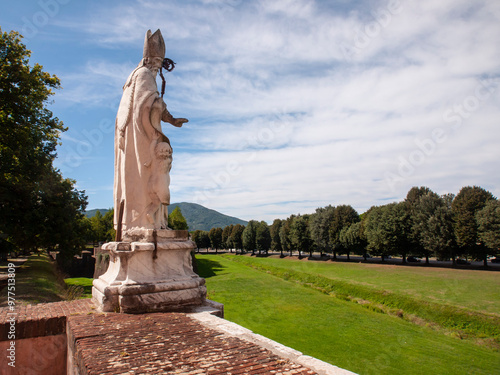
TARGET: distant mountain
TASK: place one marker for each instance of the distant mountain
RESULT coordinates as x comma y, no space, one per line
91,213
200,217
196,215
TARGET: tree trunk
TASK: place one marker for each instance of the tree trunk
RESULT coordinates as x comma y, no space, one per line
348,257
427,260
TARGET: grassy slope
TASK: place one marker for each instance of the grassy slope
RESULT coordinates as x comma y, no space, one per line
339,332
36,282
474,290
79,287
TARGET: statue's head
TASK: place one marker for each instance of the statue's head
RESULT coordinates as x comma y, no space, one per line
154,50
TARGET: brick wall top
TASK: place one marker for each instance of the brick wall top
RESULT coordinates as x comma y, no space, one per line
162,343
43,319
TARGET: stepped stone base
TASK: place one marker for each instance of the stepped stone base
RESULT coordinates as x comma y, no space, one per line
149,272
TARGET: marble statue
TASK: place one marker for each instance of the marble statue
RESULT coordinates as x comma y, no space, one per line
143,155
150,266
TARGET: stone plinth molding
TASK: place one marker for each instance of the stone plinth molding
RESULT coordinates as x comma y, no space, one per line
146,276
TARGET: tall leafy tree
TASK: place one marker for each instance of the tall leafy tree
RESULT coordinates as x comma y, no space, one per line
468,202
319,224
396,229
262,237
201,239
275,236
387,229
215,235
31,189
412,200
432,226
299,234
351,239
98,227
108,223
236,237
374,229
344,215
249,236
488,220
226,234
176,220
285,237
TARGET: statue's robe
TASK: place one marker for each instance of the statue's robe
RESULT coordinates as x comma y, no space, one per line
140,178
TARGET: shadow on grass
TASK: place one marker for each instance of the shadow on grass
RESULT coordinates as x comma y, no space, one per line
208,268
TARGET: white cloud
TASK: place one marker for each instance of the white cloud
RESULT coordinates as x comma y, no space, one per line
303,103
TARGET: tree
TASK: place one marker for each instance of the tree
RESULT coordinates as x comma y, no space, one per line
108,223
412,199
488,220
319,225
60,209
196,238
98,227
248,236
226,234
432,226
285,230
176,220
262,237
397,229
30,187
466,204
343,216
351,238
387,229
275,236
201,239
215,235
373,229
236,236
299,234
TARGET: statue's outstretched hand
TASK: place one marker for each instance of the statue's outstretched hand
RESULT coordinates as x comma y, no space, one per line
179,122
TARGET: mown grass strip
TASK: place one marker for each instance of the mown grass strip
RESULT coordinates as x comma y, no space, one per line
463,322
37,281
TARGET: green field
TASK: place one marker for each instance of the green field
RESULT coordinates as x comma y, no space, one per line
471,289
348,334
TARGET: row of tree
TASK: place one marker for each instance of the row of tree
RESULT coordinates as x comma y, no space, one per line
425,224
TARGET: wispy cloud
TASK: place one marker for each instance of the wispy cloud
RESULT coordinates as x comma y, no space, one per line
297,104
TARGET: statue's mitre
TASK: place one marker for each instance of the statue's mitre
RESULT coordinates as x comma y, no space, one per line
154,45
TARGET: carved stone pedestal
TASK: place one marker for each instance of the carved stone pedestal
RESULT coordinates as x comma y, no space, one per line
149,271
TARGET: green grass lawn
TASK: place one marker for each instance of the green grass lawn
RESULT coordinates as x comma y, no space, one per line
36,282
79,287
471,289
343,333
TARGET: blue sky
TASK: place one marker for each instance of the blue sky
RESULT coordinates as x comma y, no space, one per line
292,104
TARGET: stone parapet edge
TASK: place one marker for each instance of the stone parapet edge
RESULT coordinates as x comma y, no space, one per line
208,319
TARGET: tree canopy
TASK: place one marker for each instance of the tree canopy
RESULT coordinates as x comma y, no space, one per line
38,207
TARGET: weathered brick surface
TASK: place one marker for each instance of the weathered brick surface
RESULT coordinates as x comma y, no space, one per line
165,343
44,319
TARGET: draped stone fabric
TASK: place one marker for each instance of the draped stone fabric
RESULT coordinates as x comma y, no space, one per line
143,155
